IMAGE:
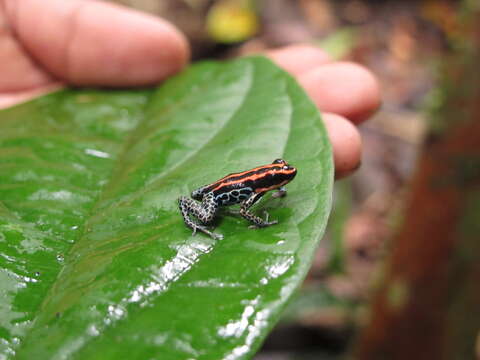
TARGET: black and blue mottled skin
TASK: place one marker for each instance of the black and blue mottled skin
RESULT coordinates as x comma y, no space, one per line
244,188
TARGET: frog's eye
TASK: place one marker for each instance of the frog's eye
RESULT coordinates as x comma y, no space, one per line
278,161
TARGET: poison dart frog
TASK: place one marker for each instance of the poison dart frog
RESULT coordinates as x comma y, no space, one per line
244,188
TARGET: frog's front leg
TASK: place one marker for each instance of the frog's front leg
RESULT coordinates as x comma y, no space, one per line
257,221
204,212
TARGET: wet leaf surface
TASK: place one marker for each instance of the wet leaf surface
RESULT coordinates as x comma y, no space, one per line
96,262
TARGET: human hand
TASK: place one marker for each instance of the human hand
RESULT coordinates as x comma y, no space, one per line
346,94
43,43
46,43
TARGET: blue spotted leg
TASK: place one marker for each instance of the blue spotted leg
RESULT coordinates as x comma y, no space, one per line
204,211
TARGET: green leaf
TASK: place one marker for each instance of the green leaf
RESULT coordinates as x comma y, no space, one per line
96,262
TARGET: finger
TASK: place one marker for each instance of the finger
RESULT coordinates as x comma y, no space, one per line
18,71
298,59
343,88
96,43
346,144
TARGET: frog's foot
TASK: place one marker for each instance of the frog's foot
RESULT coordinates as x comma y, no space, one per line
263,223
206,231
281,192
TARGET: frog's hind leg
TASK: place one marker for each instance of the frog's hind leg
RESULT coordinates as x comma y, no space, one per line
204,212
199,193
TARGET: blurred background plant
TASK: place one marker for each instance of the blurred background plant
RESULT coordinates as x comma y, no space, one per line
403,43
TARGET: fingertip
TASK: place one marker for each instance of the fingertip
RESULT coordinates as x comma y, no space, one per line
343,88
298,59
346,144
143,51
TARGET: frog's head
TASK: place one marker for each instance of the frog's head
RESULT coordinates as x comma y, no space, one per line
284,173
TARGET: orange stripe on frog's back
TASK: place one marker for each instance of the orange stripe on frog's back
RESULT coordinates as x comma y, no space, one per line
217,185
246,172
